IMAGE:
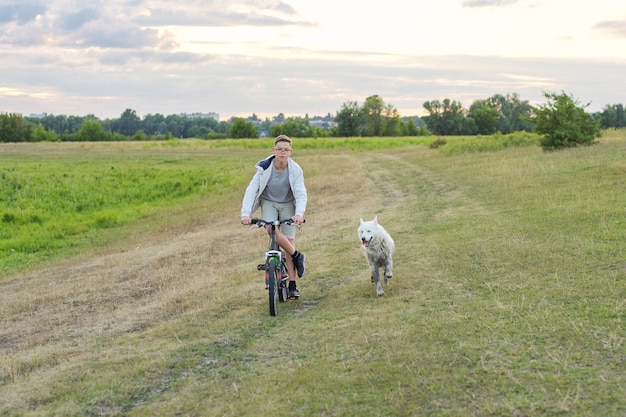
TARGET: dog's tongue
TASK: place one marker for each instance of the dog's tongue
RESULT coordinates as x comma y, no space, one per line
365,242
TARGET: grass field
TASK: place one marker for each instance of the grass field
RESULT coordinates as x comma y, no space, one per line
509,293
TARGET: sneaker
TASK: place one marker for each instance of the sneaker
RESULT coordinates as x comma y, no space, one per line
298,262
294,294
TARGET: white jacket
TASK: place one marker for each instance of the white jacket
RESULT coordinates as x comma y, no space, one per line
252,197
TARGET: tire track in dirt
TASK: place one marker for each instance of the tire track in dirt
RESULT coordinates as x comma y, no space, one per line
402,181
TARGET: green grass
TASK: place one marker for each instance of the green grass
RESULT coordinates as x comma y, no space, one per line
508,296
53,203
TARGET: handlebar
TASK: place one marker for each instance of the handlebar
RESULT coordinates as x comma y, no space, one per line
261,222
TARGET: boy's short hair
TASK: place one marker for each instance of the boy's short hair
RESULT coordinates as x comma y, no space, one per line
282,138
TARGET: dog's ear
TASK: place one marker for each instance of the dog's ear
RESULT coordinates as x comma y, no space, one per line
361,220
375,219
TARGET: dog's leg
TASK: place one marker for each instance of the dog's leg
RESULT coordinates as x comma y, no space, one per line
376,279
388,272
374,271
379,289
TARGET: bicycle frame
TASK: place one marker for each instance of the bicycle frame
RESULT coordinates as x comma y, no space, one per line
276,276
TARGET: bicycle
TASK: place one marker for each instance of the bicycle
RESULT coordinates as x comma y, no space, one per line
275,266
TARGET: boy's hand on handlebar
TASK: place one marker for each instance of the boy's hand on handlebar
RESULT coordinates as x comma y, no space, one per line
246,220
297,219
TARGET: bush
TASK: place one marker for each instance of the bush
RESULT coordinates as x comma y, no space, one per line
437,143
564,123
44,135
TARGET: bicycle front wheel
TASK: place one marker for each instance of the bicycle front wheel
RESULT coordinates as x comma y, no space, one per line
272,276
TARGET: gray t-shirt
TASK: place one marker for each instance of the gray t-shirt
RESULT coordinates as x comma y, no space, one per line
278,189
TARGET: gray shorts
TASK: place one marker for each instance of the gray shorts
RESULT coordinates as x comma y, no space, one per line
280,211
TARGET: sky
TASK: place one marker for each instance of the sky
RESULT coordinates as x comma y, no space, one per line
303,57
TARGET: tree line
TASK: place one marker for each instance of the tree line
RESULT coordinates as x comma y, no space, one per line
129,126
498,113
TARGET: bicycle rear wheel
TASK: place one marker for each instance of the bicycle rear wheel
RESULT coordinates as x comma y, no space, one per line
272,276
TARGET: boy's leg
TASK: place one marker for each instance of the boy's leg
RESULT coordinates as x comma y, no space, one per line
295,266
287,244
290,266
294,294
289,247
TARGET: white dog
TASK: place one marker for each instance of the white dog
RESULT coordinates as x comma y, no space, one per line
378,246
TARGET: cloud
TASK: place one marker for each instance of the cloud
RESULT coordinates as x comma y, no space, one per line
487,3
75,20
167,60
23,12
100,25
131,24
614,28
115,35
163,17
220,13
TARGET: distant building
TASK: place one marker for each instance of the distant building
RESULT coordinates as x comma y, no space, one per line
38,116
323,124
210,115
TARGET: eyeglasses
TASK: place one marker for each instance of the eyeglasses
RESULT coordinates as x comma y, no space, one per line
282,150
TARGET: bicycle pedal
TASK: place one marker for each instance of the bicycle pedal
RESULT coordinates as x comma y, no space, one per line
260,267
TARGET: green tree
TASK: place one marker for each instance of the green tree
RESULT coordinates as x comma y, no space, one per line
564,123
373,114
349,119
265,125
409,128
76,122
392,123
91,131
128,123
223,127
485,117
446,118
15,128
276,129
613,116
175,125
154,124
242,129
56,123
498,113
414,126
292,126
44,135
513,111
203,125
